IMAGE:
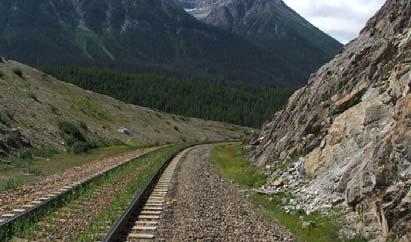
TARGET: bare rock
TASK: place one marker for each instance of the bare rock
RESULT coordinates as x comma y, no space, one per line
124,131
307,225
279,182
351,126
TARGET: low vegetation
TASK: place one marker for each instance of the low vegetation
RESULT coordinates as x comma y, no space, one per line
73,137
18,72
230,161
33,164
240,104
110,213
3,119
136,173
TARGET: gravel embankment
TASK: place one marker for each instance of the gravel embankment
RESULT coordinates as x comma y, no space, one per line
26,194
204,207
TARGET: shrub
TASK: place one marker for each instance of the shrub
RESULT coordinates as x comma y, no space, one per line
74,139
18,72
12,139
70,130
25,154
10,114
3,119
176,128
44,77
30,153
2,75
183,118
83,125
80,147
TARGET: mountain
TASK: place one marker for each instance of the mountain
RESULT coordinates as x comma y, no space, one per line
137,35
36,109
131,35
272,25
346,135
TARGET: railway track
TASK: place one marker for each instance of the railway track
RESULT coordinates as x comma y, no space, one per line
71,209
139,222
23,196
123,203
16,220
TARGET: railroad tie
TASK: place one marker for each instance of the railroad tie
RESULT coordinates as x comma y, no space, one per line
146,224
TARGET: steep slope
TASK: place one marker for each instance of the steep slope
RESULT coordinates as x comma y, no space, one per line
351,127
272,25
145,35
34,106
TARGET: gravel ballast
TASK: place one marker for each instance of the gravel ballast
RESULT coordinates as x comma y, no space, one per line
27,193
202,206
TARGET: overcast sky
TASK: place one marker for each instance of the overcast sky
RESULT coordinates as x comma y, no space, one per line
342,19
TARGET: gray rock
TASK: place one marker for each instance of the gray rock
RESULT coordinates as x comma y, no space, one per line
124,131
279,182
307,225
350,125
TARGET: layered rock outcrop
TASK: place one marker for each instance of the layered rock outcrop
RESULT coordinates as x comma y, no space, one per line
351,125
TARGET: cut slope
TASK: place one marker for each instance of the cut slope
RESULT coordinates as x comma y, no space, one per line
351,126
33,106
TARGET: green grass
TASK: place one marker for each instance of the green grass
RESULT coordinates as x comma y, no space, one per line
12,183
230,161
135,173
110,213
23,171
325,228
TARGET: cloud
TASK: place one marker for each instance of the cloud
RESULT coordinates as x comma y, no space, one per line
342,19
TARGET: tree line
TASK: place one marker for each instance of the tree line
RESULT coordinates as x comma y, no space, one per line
236,103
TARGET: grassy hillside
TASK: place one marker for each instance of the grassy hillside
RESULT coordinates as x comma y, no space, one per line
233,103
39,111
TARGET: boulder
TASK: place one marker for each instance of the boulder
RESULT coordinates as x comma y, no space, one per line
124,131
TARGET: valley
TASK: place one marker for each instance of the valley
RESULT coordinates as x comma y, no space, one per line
143,36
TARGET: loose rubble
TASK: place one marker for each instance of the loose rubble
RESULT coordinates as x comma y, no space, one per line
25,194
205,207
351,127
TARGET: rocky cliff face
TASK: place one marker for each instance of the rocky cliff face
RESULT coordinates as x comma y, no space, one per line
350,128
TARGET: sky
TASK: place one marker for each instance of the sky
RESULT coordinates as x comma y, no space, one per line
342,19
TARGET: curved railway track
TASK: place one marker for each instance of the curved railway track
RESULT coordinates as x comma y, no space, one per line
136,222
15,219
139,221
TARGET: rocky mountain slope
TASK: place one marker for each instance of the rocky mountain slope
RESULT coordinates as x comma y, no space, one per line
136,35
350,129
36,109
272,25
